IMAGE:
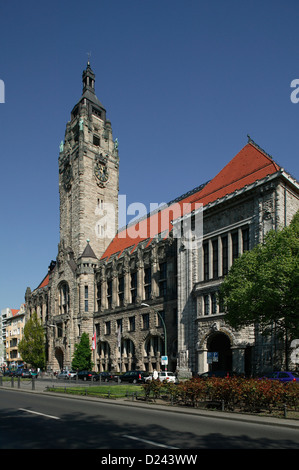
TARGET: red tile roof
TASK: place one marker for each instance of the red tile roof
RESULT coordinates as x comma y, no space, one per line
44,282
14,312
248,166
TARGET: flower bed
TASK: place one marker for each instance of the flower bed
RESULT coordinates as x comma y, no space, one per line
230,393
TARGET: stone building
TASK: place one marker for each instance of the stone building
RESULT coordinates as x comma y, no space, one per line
149,290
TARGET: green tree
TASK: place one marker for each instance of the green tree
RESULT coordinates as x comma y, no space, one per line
262,286
82,354
32,345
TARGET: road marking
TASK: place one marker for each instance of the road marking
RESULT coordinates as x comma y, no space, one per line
149,442
41,414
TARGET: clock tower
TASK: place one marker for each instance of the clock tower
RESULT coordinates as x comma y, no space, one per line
88,175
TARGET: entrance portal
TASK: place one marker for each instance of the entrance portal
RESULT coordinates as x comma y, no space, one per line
220,343
59,357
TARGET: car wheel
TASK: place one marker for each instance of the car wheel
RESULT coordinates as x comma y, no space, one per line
134,381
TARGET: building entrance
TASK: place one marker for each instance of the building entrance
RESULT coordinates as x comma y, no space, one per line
219,344
59,358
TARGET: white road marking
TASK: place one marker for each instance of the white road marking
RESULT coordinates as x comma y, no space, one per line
37,413
150,442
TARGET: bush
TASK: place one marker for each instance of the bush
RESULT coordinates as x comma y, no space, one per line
245,394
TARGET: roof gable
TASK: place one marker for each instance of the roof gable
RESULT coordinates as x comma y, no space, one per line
251,164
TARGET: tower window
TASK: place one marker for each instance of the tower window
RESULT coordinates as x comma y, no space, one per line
96,140
86,298
96,112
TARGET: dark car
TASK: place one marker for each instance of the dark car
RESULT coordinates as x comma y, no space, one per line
105,376
133,376
88,375
219,374
283,376
24,373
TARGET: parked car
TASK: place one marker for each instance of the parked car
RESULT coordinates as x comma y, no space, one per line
219,374
106,376
24,373
63,375
133,376
283,376
164,375
72,374
88,375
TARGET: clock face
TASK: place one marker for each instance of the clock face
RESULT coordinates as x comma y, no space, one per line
101,172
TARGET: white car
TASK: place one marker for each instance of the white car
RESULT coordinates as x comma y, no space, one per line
168,376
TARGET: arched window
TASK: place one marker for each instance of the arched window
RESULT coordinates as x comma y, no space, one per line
63,298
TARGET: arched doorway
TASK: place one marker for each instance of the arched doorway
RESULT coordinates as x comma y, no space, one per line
59,356
219,343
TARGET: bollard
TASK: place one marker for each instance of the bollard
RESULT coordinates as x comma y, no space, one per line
1,382
19,382
12,383
33,383
285,411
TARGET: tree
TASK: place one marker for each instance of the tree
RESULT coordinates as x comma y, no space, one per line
82,354
262,286
32,345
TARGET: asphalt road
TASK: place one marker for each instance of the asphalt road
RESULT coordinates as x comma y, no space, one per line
42,421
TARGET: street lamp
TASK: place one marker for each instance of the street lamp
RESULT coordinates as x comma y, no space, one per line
164,327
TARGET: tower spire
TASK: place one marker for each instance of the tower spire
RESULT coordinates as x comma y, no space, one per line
88,78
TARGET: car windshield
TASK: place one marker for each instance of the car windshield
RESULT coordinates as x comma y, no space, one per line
295,374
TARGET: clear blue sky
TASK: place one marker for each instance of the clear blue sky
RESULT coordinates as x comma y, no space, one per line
183,83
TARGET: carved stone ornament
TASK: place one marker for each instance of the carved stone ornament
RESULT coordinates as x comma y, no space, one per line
67,177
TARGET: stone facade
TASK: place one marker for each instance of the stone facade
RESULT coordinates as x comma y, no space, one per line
231,225
149,290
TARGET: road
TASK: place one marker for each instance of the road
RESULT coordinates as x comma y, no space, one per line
42,421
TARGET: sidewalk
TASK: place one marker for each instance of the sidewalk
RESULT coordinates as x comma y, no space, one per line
39,386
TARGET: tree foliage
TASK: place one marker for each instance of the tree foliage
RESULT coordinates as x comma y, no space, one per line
82,354
32,345
262,286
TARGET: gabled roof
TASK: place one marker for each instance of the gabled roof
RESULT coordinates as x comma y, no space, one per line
251,164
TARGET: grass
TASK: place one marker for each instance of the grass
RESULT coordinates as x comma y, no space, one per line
115,391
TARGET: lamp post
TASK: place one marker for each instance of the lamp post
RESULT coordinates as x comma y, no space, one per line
164,328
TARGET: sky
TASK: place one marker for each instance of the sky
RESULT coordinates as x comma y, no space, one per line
183,82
